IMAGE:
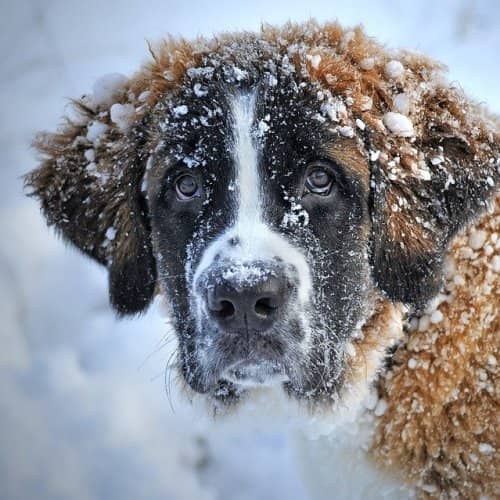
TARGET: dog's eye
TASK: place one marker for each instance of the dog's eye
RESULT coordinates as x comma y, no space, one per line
319,181
186,187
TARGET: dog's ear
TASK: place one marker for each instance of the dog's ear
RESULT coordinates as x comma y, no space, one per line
420,201
89,186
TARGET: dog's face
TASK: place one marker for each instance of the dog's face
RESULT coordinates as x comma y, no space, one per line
259,215
278,189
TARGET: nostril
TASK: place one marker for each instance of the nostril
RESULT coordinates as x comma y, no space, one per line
246,302
219,307
226,309
265,307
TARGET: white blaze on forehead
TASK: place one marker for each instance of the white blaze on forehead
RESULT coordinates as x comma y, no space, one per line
246,160
256,241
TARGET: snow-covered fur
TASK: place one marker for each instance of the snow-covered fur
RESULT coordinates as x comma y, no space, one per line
427,160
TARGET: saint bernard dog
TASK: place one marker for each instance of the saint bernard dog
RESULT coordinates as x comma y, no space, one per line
321,214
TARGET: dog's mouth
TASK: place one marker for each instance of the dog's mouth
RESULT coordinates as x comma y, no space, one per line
243,360
251,373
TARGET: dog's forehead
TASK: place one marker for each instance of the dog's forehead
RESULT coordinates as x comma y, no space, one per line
196,127
202,115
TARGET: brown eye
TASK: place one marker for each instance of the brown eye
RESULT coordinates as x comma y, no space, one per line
186,187
319,181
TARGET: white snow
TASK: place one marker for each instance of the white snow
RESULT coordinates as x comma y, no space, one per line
122,115
240,74
360,124
199,90
346,131
437,316
180,110
190,161
263,126
381,407
315,60
495,263
111,233
424,173
296,216
367,63
477,239
107,88
398,124
394,70
144,96
486,448
96,130
401,103
424,323
205,72
335,109
89,155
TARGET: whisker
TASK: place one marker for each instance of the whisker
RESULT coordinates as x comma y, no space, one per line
168,378
167,339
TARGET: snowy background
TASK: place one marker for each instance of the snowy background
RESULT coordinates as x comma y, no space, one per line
84,412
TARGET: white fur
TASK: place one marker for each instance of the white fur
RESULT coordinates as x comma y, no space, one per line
257,241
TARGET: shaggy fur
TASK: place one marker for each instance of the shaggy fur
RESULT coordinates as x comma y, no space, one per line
443,388
430,176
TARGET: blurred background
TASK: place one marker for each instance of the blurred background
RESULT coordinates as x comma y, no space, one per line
84,407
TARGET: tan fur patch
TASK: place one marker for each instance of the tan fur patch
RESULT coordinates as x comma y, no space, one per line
347,153
401,227
441,425
383,329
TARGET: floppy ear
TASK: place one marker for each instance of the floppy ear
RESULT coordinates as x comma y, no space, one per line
89,186
419,203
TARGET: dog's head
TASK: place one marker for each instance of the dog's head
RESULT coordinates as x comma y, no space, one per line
281,189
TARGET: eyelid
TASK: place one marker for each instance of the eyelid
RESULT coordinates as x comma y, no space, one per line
319,165
328,165
182,197
175,171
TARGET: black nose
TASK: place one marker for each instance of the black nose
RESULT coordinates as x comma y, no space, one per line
255,306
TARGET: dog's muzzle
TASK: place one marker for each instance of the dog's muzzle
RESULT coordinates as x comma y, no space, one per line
247,305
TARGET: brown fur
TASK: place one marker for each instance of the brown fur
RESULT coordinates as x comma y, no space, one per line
365,360
347,154
443,404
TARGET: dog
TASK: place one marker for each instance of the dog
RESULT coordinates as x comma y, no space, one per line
321,215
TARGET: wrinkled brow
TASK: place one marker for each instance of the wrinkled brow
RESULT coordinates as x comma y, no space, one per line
347,154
